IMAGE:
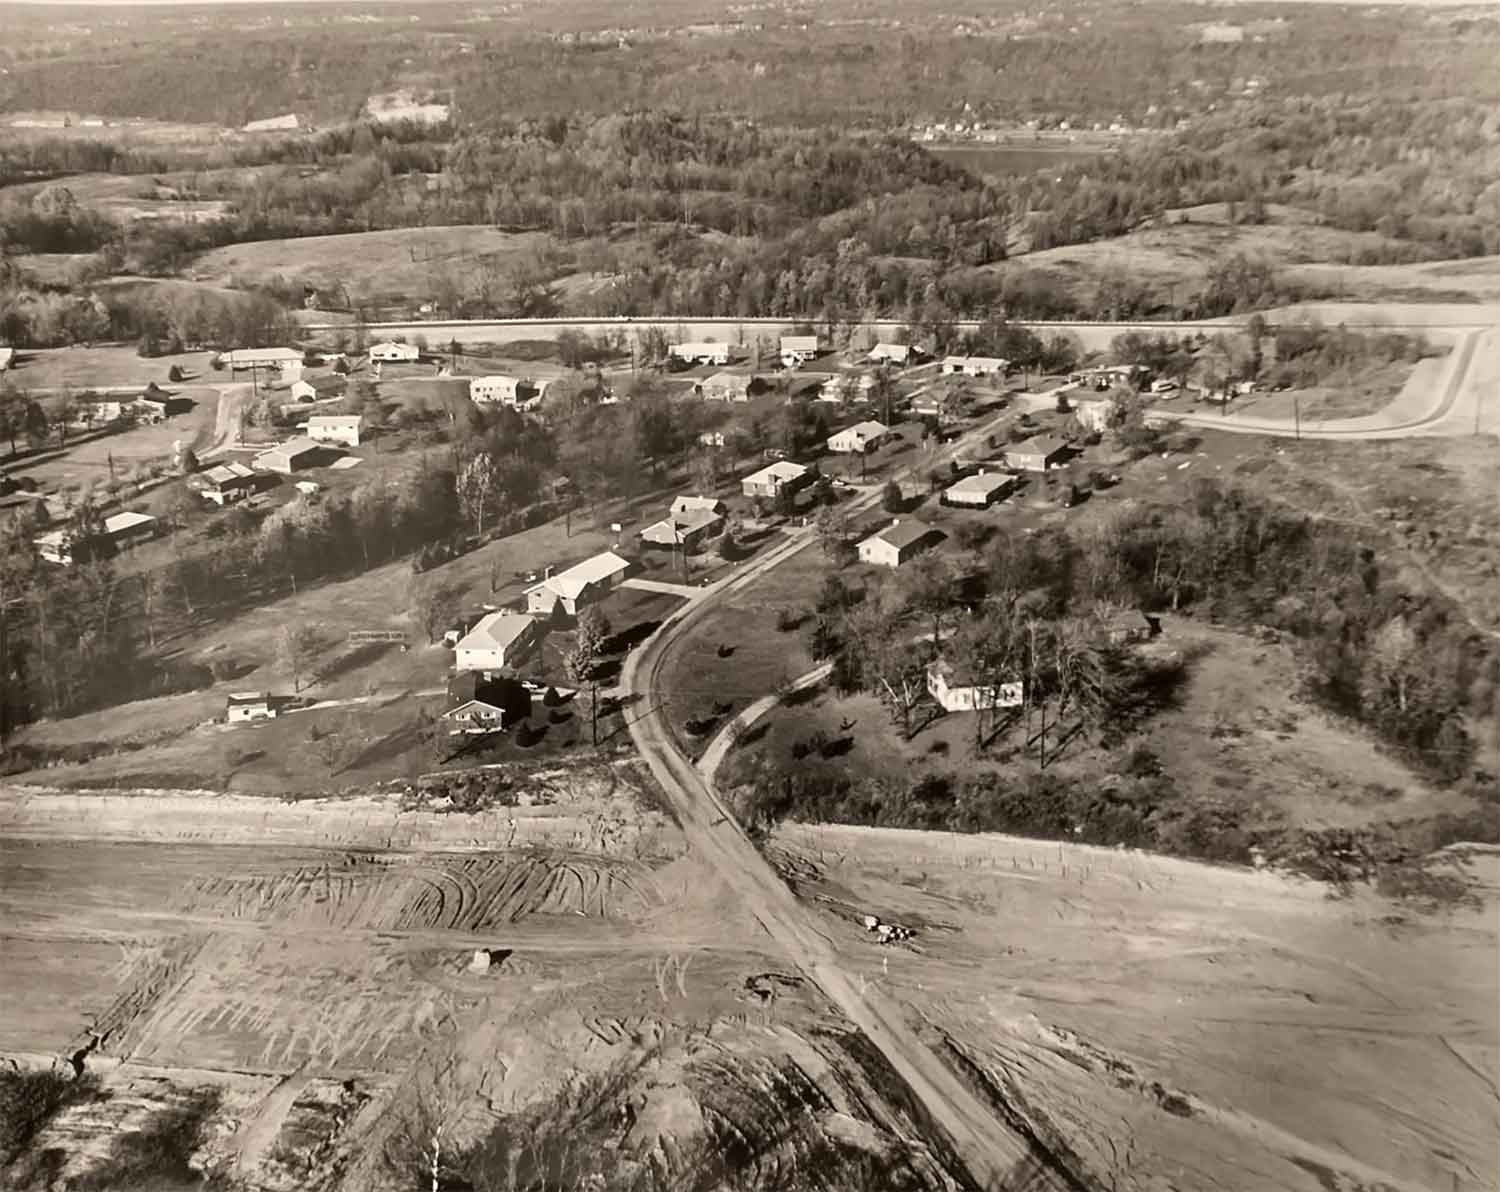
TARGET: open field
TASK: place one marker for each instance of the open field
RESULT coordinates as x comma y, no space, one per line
397,264
1173,256
104,366
1476,279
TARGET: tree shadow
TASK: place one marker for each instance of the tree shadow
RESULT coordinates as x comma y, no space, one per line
755,733
837,748
802,696
352,660
628,639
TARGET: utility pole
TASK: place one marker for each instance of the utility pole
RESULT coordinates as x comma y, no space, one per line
1297,413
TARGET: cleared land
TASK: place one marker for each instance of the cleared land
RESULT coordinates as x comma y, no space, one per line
322,995
1179,1025
403,263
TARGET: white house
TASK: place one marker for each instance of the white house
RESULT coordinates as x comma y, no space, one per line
249,705
798,349
898,542
771,479
335,428
686,529
859,438
726,386
285,359
708,352
897,354
955,690
501,389
498,640
577,587
979,491
6,356
975,366
127,529
391,352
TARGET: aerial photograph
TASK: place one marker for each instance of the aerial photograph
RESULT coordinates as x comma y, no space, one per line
750,596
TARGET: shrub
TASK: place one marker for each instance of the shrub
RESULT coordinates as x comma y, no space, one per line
891,499
174,374
787,619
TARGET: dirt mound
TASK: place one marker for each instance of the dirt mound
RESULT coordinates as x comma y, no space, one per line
438,892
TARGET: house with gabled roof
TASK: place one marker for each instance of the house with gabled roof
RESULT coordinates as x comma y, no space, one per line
957,689
480,703
859,438
578,587
774,477
497,640
898,543
979,491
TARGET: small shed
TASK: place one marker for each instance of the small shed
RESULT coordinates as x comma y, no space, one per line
249,705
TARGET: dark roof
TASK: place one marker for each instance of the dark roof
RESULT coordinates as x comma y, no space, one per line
1043,445
908,533
500,690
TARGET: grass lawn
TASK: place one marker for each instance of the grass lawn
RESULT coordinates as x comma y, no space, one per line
736,654
106,366
1358,391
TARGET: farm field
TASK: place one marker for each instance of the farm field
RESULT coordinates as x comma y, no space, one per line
1175,1024
391,265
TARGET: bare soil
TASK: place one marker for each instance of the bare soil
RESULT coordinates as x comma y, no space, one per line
1178,1025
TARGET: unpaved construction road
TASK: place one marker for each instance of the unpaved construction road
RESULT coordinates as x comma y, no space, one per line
996,1154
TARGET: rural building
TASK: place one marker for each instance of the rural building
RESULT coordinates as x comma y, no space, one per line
686,529
7,356
773,478
101,413
289,359
249,705
124,530
496,641
798,349
1036,455
839,389
898,543
726,386
979,491
713,438
692,504
288,457
859,438
287,123
974,366
481,704
335,428
1108,375
303,390
501,390
1127,627
154,404
391,352
897,354
223,484
956,690
578,587
119,531
701,353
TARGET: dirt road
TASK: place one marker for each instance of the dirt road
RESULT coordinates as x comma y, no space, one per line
233,399
996,1154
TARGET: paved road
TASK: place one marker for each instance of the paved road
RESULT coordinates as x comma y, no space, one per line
1461,396
996,1154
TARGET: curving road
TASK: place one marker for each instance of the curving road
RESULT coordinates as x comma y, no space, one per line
997,1155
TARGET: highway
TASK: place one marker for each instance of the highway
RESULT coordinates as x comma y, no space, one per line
997,1155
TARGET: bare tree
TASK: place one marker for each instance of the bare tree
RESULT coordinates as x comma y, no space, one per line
582,661
296,644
